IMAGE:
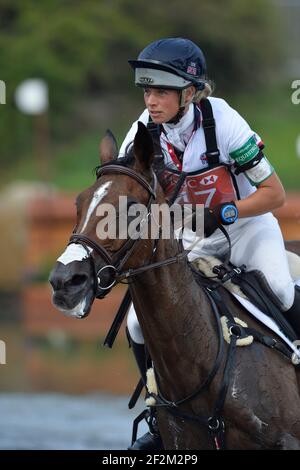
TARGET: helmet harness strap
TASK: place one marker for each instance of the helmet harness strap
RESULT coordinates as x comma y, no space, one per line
182,104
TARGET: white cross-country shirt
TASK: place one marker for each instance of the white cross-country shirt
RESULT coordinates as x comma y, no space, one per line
236,141
255,241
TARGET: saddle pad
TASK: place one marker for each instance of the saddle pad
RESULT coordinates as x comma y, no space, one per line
206,264
266,320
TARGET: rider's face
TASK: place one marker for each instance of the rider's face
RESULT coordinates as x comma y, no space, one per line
161,103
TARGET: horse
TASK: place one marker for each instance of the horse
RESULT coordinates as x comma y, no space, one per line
193,367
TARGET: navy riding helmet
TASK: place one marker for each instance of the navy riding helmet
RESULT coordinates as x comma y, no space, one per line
171,63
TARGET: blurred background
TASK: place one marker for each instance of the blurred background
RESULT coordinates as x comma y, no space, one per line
64,79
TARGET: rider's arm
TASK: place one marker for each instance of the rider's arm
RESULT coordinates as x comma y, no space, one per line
245,149
270,195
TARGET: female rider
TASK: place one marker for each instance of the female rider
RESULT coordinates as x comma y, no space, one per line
204,136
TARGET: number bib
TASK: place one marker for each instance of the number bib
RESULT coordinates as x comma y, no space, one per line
210,187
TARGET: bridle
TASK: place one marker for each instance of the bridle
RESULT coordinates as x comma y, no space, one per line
116,262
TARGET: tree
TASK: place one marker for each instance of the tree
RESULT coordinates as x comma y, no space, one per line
83,47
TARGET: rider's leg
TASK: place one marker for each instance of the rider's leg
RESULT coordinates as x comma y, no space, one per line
137,342
261,247
293,314
151,440
257,242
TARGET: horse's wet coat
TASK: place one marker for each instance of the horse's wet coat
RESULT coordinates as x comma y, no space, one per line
262,407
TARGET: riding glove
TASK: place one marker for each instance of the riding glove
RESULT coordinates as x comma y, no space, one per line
221,214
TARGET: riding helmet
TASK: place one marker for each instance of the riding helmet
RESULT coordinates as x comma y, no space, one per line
174,63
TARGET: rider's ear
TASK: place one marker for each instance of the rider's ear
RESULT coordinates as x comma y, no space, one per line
108,147
143,148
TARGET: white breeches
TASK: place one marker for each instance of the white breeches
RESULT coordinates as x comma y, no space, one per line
133,326
257,242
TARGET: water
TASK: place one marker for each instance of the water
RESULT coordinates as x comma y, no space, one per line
55,421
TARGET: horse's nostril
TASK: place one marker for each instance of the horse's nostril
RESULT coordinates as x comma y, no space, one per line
54,282
65,280
78,279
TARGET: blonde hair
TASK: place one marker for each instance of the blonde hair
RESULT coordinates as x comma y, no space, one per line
205,93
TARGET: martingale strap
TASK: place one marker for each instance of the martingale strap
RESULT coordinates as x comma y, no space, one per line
118,320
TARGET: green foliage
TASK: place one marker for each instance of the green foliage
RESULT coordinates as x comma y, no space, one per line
240,39
273,116
82,48
269,112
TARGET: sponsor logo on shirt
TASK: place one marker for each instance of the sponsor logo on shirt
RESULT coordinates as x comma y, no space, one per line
207,180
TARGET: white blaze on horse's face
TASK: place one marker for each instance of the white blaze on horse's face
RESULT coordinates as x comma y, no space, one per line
97,197
74,252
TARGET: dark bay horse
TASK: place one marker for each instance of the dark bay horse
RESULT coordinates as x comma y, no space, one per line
262,405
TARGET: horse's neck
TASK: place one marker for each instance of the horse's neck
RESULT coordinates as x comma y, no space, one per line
175,317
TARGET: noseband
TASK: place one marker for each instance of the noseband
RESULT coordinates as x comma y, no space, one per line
116,261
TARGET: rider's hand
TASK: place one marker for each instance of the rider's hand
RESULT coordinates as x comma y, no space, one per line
210,222
221,214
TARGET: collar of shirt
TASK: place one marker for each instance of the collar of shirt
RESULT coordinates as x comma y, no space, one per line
179,134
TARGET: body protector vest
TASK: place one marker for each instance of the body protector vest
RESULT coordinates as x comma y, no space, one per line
209,186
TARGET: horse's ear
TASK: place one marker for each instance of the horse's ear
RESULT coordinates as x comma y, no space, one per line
108,147
143,148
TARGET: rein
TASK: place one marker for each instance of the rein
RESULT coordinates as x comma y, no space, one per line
116,261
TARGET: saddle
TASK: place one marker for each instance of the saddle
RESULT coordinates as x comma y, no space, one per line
258,291
251,285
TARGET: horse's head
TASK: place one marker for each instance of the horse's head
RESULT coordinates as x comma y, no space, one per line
98,250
